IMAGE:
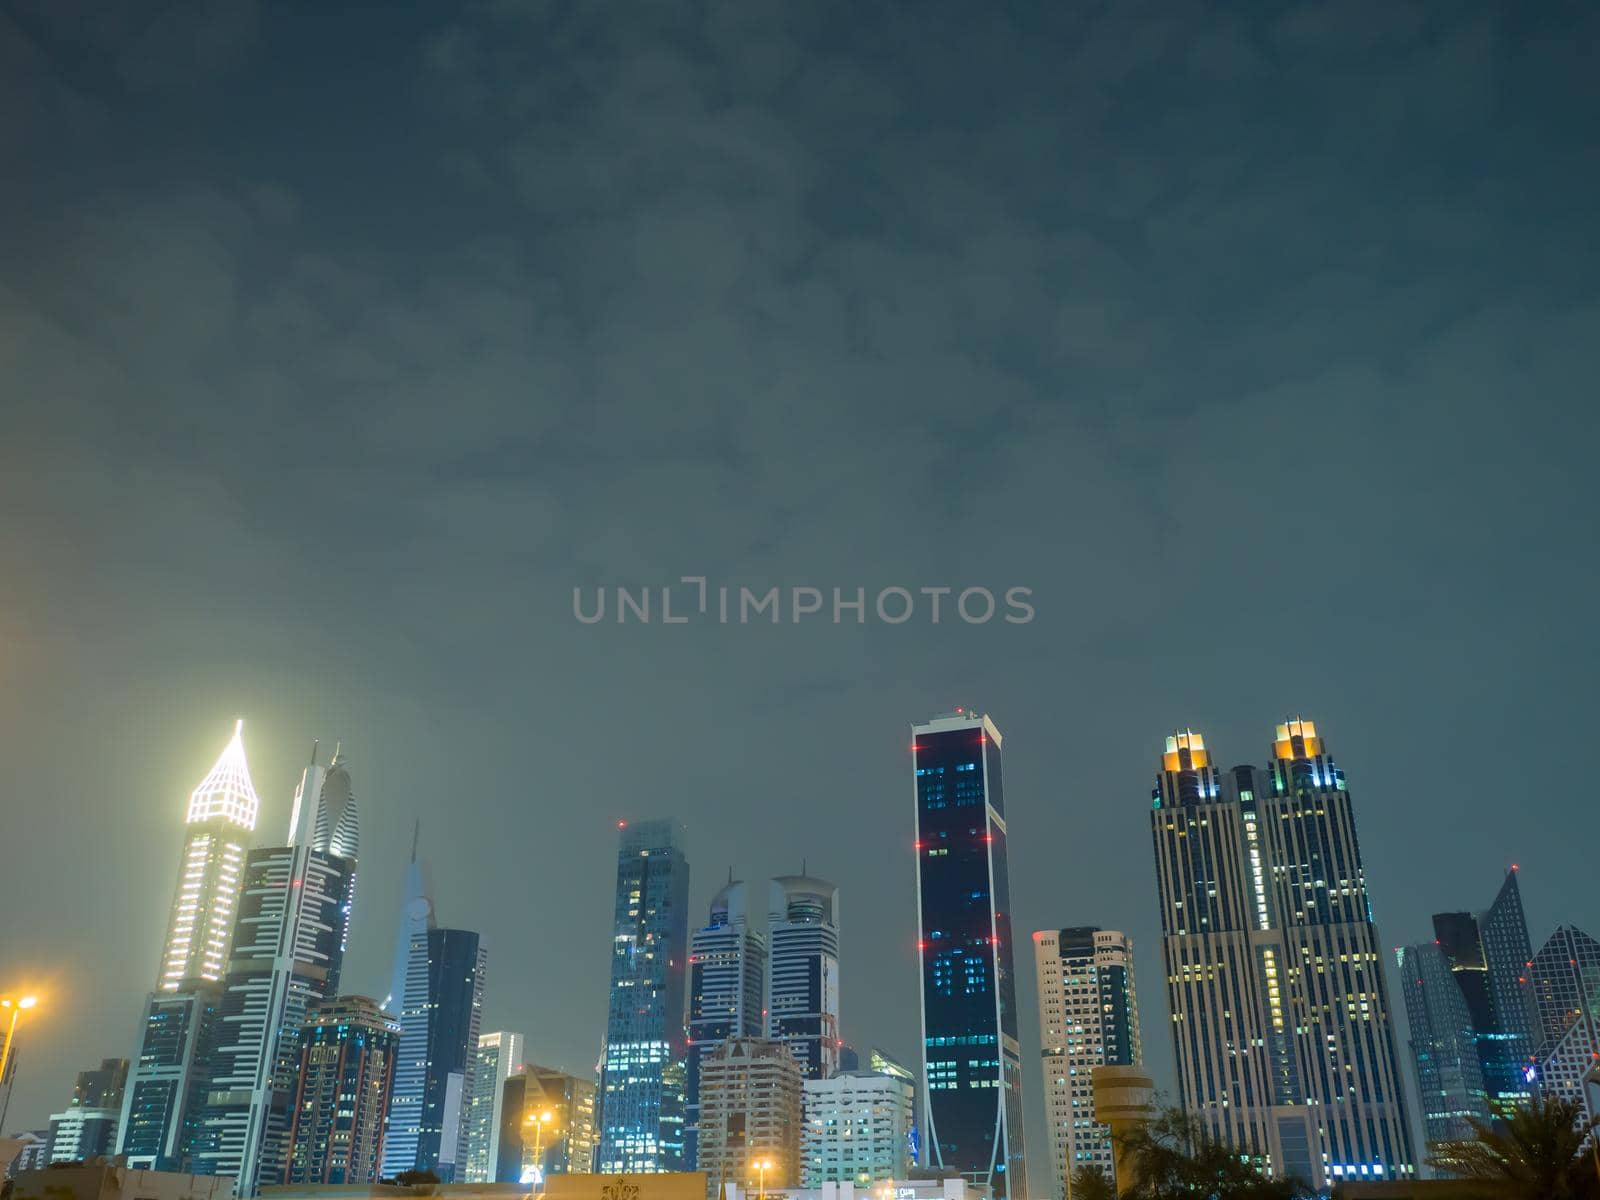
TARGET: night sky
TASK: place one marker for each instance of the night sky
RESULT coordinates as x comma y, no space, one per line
340,342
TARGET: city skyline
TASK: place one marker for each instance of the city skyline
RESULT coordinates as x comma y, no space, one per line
340,347
322,831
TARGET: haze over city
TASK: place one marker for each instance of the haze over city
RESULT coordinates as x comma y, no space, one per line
340,346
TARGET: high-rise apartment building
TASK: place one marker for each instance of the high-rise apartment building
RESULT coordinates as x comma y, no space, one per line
857,1129
972,1065
803,971
341,1103
643,1070
547,1125
220,818
499,1056
727,978
750,1113
1484,956
439,1027
1280,1014
1088,1017
1565,975
87,1127
166,1092
285,958
881,1062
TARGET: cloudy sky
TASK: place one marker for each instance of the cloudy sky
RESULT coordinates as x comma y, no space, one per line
339,343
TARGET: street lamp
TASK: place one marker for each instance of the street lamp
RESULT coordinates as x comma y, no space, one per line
16,1006
539,1122
762,1166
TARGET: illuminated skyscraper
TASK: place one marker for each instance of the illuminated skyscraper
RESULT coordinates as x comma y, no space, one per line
1444,1050
166,1092
285,958
642,1073
1485,956
347,1052
499,1056
727,975
1281,1019
220,818
1565,974
972,1065
803,975
1088,1017
440,1022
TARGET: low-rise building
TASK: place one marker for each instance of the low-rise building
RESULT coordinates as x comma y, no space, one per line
857,1129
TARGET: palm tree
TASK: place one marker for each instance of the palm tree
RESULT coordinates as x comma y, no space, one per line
1174,1157
1537,1153
1091,1183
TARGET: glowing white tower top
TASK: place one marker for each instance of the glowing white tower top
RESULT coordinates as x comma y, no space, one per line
227,791
222,810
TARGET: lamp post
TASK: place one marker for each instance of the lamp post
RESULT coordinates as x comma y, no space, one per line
762,1166
539,1122
16,1006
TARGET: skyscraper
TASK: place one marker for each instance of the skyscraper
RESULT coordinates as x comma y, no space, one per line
803,975
1565,974
220,818
1486,956
499,1056
642,1075
749,1113
87,1128
972,1065
857,1129
286,955
166,1092
1281,1022
1444,1049
1088,1017
547,1125
347,1053
439,1023
727,977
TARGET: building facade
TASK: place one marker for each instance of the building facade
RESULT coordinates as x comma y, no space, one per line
972,1067
547,1126
1444,1050
643,1071
1280,1014
499,1056
440,1025
166,1091
1565,975
727,981
803,971
856,1128
218,823
341,1105
750,1113
1088,1017
285,958
87,1127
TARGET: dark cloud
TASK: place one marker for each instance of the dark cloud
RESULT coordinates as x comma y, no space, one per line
337,351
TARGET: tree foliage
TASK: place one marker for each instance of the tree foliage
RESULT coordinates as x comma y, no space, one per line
1174,1157
1537,1153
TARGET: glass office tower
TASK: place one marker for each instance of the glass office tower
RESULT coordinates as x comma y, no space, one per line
972,1105
642,1074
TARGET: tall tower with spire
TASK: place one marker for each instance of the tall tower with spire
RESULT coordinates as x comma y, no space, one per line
285,958
219,820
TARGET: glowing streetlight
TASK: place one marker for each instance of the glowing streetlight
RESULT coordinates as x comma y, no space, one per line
762,1166
16,1006
538,1122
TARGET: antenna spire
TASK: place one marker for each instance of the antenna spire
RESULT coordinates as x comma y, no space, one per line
416,836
